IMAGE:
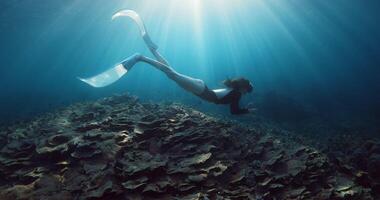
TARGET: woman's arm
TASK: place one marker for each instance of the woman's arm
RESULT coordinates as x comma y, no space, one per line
236,110
234,106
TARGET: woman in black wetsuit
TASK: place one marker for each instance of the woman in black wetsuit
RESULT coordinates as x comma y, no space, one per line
231,94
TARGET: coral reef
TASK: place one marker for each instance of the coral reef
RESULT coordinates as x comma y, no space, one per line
119,148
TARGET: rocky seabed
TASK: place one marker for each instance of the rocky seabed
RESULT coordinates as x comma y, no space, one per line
119,148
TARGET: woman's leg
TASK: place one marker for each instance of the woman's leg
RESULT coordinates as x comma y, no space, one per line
190,84
158,56
153,49
193,85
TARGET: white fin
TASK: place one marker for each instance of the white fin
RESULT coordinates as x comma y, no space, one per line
133,15
106,78
137,19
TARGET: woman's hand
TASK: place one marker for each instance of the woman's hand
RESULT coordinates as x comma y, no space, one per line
250,105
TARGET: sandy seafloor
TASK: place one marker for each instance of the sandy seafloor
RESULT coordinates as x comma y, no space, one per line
121,148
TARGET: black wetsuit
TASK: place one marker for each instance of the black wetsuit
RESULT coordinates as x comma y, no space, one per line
231,98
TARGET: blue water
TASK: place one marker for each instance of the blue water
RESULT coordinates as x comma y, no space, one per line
322,56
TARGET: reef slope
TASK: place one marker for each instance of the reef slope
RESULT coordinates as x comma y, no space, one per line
119,148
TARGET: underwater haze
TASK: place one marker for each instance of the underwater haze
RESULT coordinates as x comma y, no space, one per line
311,56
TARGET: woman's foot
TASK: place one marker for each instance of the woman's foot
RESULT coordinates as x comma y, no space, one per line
131,61
149,42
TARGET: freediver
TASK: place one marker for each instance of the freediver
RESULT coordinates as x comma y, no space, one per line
231,94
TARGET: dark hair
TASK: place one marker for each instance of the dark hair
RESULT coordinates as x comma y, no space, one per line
238,83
